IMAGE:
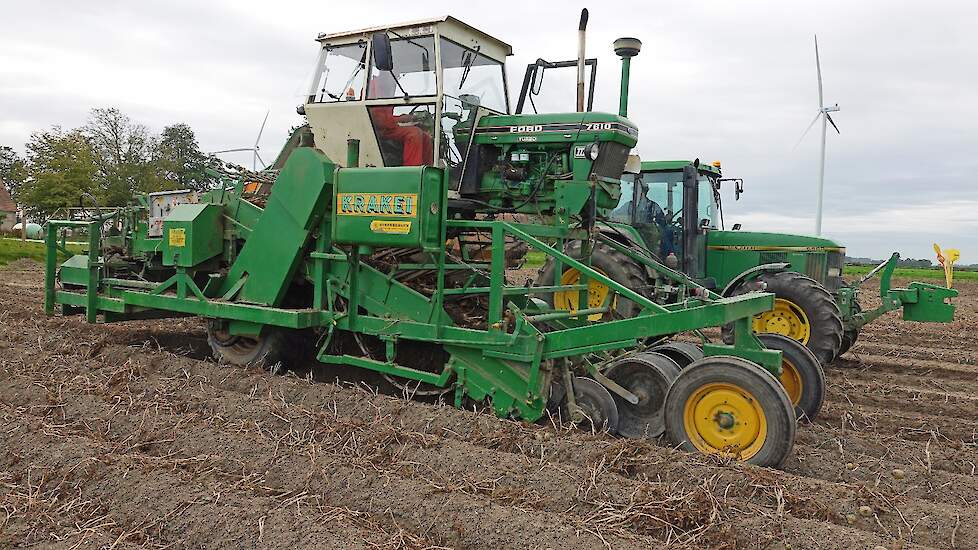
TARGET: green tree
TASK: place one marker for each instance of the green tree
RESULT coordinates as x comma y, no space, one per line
61,168
179,161
13,169
124,154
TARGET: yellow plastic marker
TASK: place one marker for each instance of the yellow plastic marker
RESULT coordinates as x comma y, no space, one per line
947,259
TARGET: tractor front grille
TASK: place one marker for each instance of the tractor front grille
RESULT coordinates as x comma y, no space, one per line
835,263
815,266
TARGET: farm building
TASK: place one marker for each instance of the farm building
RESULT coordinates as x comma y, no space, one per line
8,210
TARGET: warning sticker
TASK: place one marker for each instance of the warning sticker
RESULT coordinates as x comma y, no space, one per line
390,226
178,237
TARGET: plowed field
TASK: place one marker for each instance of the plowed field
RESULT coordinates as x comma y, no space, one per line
130,436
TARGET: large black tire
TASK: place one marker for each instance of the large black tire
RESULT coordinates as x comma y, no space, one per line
617,266
804,310
850,336
730,406
801,375
268,351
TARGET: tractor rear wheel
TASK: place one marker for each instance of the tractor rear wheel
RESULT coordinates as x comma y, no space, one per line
732,407
268,351
801,375
607,261
803,311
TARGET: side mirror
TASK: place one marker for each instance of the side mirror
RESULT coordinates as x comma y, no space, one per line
380,44
537,80
736,227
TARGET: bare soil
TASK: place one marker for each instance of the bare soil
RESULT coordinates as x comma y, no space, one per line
131,436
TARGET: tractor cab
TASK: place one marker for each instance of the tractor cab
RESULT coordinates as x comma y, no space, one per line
407,92
654,203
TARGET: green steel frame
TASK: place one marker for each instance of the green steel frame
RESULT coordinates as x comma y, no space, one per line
512,360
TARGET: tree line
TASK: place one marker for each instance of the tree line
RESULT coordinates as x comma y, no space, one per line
105,161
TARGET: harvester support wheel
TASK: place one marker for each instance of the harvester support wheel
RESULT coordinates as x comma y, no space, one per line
730,406
267,351
597,408
647,375
683,353
801,375
609,262
803,310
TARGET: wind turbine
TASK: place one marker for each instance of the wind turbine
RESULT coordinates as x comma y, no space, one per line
823,113
254,149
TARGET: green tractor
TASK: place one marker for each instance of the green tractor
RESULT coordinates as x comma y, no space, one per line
671,211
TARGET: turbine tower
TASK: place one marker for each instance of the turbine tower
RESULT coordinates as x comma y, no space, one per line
823,113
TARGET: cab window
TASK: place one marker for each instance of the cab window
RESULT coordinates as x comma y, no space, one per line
340,73
414,70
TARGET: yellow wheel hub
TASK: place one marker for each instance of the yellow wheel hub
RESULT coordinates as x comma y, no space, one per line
791,380
723,418
597,293
786,319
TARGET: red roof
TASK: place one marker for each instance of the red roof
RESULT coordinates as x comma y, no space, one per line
7,204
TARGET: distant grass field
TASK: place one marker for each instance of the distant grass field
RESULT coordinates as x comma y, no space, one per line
15,249
915,273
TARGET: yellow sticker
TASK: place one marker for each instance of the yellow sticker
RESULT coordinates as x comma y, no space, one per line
178,237
389,226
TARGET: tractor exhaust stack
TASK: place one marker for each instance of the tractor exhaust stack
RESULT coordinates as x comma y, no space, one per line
581,31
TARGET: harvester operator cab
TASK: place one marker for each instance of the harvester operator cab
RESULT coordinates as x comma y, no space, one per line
410,93
434,93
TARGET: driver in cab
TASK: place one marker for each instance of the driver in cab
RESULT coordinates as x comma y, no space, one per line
416,144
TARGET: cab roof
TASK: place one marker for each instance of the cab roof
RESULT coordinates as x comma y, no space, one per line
676,165
452,21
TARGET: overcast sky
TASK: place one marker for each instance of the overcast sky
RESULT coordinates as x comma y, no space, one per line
729,81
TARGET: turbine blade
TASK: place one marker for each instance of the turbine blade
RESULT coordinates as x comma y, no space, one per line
262,129
818,71
805,133
832,122
241,149
260,160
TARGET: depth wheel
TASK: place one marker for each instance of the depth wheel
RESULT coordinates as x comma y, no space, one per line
683,353
803,311
647,375
267,351
801,375
732,407
600,411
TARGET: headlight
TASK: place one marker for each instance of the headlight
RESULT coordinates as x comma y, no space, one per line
592,151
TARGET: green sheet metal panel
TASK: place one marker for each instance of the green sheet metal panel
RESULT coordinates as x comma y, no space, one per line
192,233
398,207
75,270
277,242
